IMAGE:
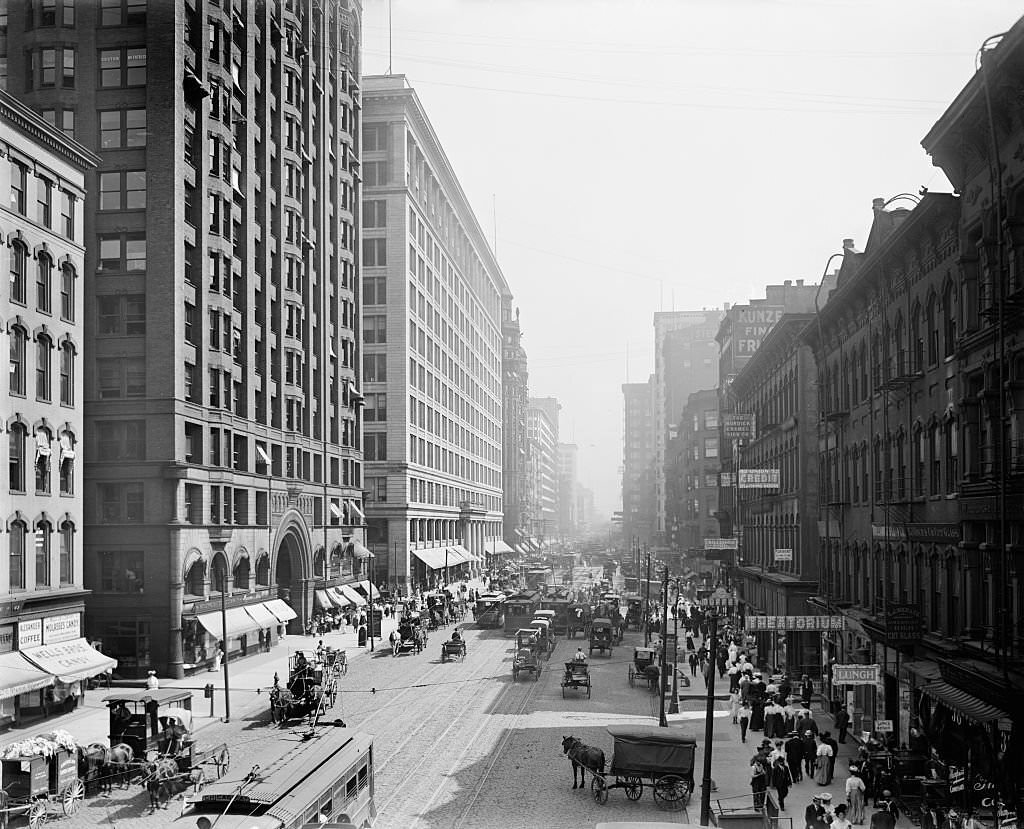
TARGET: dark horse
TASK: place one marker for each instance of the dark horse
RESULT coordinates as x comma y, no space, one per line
584,758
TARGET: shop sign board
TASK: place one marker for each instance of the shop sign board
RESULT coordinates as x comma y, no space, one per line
1007,817
61,628
30,634
755,623
903,624
721,543
6,638
758,479
738,425
783,554
883,726
720,598
855,674
957,776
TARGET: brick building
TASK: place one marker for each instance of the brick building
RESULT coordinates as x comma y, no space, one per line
515,446
638,458
693,478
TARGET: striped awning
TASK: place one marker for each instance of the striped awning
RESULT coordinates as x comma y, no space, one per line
963,703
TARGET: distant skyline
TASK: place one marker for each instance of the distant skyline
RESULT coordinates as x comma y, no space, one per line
670,154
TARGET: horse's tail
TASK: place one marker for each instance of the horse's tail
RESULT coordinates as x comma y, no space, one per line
600,764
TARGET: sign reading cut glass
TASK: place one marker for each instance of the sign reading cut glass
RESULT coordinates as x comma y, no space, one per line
758,479
721,543
855,674
903,623
795,623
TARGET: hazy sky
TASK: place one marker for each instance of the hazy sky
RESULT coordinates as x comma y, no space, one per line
654,154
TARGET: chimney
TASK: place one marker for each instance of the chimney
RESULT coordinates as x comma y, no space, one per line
787,283
877,204
725,306
799,283
848,245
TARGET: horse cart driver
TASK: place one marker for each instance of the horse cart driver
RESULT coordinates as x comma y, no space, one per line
456,636
579,657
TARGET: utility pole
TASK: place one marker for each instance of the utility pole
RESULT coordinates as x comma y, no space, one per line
647,604
664,648
673,706
709,726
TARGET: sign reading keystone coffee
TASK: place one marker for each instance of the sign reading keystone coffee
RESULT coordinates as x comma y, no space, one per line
855,674
903,623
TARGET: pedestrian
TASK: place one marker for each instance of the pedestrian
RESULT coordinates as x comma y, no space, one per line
840,821
842,723
810,752
813,814
781,780
855,796
828,739
759,779
734,706
744,721
806,690
693,664
822,762
152,683
883,817
794,749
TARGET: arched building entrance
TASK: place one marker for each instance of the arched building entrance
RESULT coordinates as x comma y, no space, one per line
293,567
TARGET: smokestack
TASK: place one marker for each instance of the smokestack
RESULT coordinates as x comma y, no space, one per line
787,283
877,204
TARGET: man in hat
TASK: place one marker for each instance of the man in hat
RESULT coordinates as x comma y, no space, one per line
810,752
794,749
883,817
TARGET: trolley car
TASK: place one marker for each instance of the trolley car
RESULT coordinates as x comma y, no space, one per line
490,610
519,610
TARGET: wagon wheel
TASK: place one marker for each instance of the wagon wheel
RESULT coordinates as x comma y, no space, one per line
72,796
670,792
634,787
223,762
36,813
599,789
632,676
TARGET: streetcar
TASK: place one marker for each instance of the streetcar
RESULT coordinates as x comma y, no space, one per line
519,610
300,780
490,610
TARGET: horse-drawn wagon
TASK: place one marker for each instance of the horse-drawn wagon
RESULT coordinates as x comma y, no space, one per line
576,677
37,773
634,611
453,649
644,667
660,757
527,655
579,618
410,636
312,686
545,638
602,636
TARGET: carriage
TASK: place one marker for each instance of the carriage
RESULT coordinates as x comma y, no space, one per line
453,649
576,677
644,667
409,637
634,612
311,687
39,772
527,655
661,758
519,610
602,635
544,634
579,617
490,610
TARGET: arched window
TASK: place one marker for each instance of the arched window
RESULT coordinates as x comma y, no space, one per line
195,578
218,574
67,373
17,555
44,283
931,316
263,571
916,341
18,339
67,292
319,564
67,463
42,553
16,457
43,348
242,573
67,552
42,460
899,343
949,307
19,256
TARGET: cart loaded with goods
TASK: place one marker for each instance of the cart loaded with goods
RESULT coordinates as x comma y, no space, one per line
38,773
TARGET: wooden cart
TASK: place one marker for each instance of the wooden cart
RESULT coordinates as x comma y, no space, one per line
577,677
32,784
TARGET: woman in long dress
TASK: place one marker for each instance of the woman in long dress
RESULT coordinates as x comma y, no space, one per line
855,796
821,764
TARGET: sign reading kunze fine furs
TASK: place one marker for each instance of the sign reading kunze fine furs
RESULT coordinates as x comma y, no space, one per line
758,479
855,674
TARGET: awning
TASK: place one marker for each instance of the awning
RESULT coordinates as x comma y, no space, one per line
70,661
324,600
352,596
465,555
436,558
42,444
237,621
67,448
280,608
367,589
358,550
261,616
498,547
336,511
19,676
962,702
354,507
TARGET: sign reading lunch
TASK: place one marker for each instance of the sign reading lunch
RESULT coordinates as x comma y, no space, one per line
855,674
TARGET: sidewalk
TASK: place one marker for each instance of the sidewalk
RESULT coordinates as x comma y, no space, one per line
249,679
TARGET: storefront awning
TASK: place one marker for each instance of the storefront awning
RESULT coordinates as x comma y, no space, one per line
498,547
280,608
367,589
261,616
70,661
358,550
436,558
19,676
465,554
235,619
962,702
324,600
349,595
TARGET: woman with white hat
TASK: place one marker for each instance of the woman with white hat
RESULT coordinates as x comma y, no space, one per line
152,683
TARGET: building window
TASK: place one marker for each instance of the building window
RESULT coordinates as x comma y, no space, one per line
67,292
62,119
375,290
375,252
121,572
67,374
375,446
121,315
43,348
122,128
121,377
375,368
374,137
19,257
935,482
68,69
123,67
951,456
67,213
933,332
16,457
122,12
710,447
122,252
16,568
121,503
375,173
949,306
42,551
67,552
375,213
375,328
19,178
123,190
44,202
44,283
375,409
67,463
17,382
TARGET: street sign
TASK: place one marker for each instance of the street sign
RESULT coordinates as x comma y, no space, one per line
759,479
883,726
738,425
727,480
783,554
721,543
855,674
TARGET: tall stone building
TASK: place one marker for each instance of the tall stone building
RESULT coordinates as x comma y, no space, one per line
542,432
432,350
42,182
638,504
693,476
515,451
221,310
568,484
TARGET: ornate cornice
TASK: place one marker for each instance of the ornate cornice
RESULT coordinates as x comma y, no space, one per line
34,127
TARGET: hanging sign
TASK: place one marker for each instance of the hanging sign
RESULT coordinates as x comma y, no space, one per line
783,554
721,543
755,623
883,726
738,425
855,674
758,479
957,776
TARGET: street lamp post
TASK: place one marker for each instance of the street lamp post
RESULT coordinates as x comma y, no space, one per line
664,643
224,635
673,706
720,599
647,604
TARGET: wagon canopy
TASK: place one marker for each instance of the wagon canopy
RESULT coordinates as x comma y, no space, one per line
648,750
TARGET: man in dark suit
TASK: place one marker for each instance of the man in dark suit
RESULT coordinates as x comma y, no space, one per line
794,749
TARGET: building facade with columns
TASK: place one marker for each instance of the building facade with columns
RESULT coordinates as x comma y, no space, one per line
432,352
221,312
